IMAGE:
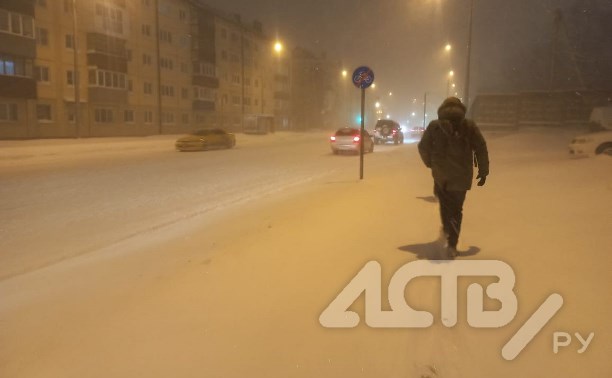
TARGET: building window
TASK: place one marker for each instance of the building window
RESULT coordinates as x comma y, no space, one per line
223,54
148,116
128,116
147,59
15,66
146,30
103,115
42,36
8,112
107,79
184,68
236,79
167,90
15,23
185,118
168,117
203,93
70,77
130,85
182,14
148,88
68,6
185,93
112,18
204,69
69,41
41,74
166,63
165,36
43,112
235,100
128,55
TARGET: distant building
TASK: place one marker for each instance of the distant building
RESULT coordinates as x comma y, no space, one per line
316,100
149,67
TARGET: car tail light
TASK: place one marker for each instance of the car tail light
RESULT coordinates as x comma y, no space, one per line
394,131
356,139
332,138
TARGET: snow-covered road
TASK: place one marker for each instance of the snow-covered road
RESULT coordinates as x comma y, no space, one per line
206,282
66,198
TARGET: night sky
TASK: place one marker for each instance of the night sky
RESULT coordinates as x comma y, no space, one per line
403,40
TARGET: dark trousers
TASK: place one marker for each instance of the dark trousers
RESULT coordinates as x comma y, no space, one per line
451,212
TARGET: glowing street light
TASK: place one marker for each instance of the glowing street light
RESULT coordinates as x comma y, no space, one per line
278,47
377,105
447,47
390,93
448,82
344,73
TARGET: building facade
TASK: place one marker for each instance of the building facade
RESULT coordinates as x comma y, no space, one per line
94,68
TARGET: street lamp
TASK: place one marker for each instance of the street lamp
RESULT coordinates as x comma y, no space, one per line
466,100
76,72
448,47
448,82
344,73
278,47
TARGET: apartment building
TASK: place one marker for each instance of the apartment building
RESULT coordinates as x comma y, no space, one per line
144,67
17,54
316,98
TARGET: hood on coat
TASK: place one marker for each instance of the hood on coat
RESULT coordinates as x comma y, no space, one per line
452,109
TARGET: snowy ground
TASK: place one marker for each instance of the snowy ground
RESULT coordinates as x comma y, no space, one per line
123,258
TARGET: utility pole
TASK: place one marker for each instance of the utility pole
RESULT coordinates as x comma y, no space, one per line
466,100
159,76
77,89
425,110
242,75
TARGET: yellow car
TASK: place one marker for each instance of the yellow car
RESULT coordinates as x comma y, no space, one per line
206,139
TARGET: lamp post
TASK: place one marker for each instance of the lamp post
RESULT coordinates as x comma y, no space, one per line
77,94
466,100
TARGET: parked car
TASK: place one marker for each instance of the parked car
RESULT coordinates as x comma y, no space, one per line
206,139
348,139
387,130
592,144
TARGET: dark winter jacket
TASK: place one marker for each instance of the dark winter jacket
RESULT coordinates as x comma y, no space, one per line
448,147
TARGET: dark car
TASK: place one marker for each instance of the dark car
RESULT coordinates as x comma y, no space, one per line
387,130
206,139
348,139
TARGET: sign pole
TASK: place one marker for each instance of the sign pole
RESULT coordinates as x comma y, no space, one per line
362,135
363,77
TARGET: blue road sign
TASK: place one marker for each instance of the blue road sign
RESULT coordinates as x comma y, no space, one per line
363,77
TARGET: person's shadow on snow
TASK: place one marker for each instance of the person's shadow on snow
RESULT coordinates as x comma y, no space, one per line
434,251
430,199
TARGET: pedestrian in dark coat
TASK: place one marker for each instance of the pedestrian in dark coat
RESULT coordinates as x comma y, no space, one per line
451,146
